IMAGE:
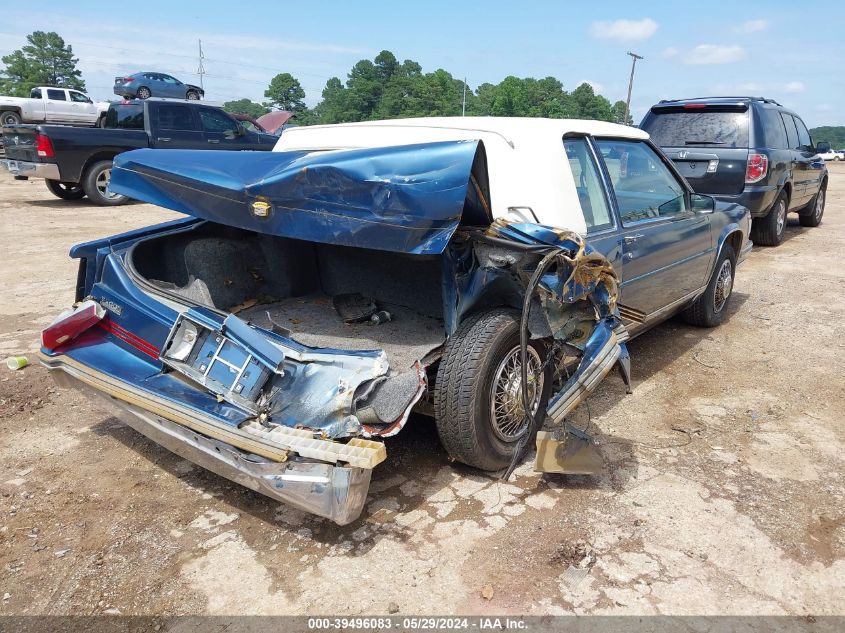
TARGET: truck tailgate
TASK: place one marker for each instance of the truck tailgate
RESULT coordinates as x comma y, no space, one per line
19,142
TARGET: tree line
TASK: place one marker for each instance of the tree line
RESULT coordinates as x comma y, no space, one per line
384,88
381,88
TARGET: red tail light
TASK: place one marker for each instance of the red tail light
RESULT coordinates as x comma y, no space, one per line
694,106
127,79
756,168
71,324
44,146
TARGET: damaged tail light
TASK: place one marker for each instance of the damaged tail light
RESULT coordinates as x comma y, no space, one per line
756,168
71,324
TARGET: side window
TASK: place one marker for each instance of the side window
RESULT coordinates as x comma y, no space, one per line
803,135
56,95
78,97
175,117
35,93
791,130
216,121
774,131
168,79
591,193
644,186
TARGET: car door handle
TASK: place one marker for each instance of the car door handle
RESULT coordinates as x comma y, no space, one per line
213,140
630,239
164,139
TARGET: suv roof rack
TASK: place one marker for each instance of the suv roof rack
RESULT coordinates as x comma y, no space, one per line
763,99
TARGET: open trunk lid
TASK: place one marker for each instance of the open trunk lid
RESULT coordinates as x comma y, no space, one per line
405,199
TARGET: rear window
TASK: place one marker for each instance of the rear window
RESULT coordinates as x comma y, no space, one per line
128,116
698,127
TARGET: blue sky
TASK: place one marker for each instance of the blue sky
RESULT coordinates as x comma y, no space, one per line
790,51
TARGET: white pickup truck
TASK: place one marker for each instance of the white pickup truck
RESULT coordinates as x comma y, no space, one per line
52,105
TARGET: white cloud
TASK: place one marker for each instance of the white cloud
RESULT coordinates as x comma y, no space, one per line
597,87
669,53
752,26
715,54
624,30
824,107
795,86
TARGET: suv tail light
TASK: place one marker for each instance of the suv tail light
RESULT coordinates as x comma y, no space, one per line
71,324
44,146
756,168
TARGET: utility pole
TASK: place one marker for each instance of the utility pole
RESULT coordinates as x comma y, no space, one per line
201,68
464,105
634,58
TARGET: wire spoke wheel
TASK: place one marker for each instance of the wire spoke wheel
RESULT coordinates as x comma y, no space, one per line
507,414
724,285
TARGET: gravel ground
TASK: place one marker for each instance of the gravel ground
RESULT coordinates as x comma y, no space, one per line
723,492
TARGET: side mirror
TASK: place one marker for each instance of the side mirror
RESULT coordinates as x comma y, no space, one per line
823,147
702,204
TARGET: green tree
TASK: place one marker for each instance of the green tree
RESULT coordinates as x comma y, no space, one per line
245,106
619,114
285,93
588,105
833,134
44,61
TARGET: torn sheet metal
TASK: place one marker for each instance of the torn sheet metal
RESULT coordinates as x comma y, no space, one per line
405,199
281,382
573,453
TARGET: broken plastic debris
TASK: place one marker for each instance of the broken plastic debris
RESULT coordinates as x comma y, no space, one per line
16,362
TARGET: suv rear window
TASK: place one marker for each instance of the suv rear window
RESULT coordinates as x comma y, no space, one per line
678,128
128,116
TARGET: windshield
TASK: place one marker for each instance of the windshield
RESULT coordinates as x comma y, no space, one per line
678,129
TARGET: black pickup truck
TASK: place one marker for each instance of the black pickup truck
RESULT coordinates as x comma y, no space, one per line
76,162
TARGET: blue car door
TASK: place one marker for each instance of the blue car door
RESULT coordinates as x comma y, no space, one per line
663,249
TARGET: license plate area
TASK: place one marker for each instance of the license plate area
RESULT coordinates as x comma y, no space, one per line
223,366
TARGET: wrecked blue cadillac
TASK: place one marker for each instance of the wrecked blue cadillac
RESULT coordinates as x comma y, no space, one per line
486,272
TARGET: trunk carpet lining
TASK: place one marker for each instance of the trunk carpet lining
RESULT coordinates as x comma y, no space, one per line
313,321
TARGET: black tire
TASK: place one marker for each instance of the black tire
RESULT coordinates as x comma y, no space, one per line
93,180
463,391
709,309
101,122
192,95
769,230
65,190
8,117
815,210
143,93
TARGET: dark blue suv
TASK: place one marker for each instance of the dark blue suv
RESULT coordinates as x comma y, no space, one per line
747,150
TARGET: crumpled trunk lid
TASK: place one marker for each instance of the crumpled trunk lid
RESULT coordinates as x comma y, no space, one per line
407,199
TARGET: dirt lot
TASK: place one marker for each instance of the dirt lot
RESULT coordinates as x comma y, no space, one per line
723,492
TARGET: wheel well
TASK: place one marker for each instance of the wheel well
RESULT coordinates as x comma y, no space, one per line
788,189
734,240
16,109
95,159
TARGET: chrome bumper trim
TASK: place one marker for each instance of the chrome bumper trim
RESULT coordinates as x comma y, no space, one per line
334,492
50,171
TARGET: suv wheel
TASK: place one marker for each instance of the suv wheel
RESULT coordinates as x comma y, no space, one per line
709,309
478,395
95,183
815,210
769,230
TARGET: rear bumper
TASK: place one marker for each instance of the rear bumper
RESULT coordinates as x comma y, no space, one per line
757,199
26,169
334,492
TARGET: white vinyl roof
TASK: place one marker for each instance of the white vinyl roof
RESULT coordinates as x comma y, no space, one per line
526,161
